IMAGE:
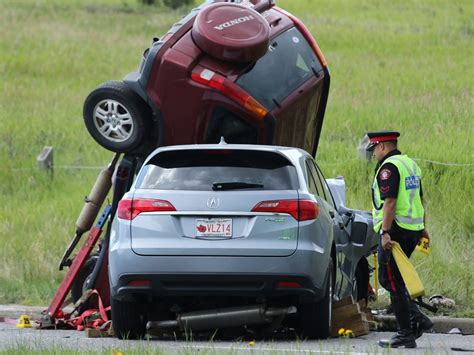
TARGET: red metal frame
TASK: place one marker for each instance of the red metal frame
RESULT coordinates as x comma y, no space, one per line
55,308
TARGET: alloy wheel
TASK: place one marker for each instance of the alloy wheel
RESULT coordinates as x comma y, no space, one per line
113,121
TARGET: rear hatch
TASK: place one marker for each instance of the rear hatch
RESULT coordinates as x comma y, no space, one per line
292,83
211,195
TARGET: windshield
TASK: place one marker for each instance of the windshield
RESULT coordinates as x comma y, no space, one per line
289,62
208,170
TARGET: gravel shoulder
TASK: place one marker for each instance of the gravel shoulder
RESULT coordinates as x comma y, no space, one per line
19,340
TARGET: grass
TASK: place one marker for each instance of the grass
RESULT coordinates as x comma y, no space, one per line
402,65
55,349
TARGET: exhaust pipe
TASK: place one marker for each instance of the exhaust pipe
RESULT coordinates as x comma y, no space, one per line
222,318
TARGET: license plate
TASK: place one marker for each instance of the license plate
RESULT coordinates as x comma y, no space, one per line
214,227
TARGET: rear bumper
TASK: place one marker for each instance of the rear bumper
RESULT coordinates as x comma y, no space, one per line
218,276
231,285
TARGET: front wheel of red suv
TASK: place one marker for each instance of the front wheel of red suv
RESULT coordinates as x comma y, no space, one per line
116,117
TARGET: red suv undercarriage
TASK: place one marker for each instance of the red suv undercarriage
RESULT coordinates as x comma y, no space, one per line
247,71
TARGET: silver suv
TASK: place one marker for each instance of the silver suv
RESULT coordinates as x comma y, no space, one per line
216,236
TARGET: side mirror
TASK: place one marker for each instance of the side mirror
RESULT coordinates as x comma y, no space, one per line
337,186
362,149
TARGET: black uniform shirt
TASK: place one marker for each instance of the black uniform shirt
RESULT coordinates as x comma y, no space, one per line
388,177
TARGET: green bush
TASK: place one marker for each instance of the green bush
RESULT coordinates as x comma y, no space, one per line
174,4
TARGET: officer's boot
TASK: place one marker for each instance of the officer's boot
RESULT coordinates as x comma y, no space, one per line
419,322
404,337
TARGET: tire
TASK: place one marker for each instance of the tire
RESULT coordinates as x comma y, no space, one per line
116,117
79,284
315,318
360,290
128,319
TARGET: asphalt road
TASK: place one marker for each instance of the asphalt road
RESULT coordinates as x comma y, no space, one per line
61,340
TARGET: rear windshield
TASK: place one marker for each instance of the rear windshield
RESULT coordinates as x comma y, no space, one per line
202,170
289,62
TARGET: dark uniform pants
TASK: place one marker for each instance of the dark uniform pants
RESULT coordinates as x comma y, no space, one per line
405,310
389,275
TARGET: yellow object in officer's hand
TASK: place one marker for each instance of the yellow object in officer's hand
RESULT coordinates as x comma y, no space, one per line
423,245
23,322
407,270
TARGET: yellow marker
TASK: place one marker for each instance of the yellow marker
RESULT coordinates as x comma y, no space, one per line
424,245
341,331
23,322
251,343
348,333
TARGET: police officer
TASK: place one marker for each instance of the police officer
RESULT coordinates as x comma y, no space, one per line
398,216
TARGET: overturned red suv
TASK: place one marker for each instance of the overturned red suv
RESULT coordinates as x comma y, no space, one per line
244,70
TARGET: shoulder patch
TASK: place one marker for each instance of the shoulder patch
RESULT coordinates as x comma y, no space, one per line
385,174
385,189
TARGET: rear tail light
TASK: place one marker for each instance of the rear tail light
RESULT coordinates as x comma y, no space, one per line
282,206
301,210
130,208
291,284
139,283
308,210
218,82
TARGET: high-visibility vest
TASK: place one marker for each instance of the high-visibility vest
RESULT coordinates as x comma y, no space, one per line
409,212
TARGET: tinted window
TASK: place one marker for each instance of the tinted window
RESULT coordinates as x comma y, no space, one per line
314,174
327,193
226,124
200,169
289,62
311,181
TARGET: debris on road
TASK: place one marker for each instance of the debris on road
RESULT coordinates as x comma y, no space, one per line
440,301
349,317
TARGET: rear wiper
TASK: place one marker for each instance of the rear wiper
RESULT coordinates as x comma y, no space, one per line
276,102
234,185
